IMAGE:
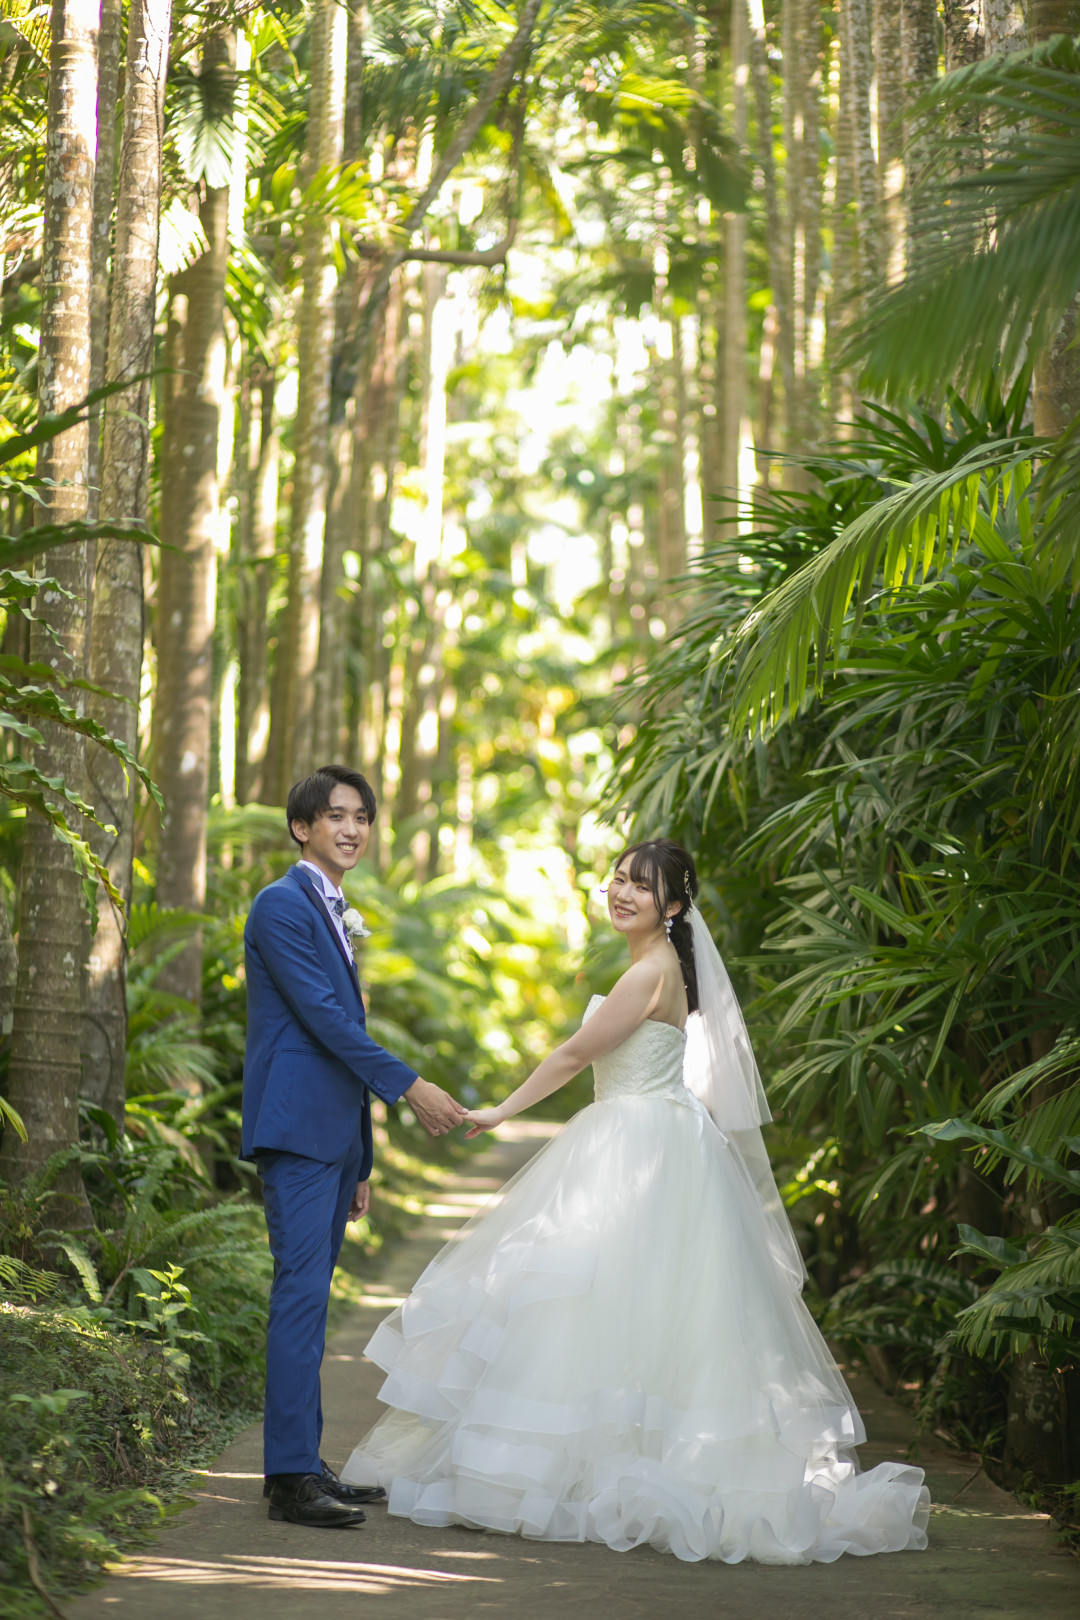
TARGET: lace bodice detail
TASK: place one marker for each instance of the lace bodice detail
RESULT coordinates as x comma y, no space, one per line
649,1063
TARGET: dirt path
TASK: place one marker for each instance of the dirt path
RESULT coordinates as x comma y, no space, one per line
221,1559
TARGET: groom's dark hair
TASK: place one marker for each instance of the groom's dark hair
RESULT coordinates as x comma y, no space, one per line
310,799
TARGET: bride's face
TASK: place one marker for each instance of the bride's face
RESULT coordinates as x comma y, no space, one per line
631,905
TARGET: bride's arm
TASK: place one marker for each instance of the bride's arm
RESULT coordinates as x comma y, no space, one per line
632,1001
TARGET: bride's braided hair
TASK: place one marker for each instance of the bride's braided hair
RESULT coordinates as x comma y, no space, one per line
669,871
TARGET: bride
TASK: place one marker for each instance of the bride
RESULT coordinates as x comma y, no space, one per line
616,1349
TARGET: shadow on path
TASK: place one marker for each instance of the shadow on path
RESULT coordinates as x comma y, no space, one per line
221,1559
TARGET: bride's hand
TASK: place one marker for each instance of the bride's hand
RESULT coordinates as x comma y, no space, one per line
482,1119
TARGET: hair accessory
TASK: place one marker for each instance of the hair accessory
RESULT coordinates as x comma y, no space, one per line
686,886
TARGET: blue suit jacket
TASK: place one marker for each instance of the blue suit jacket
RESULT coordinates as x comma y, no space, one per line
309,1061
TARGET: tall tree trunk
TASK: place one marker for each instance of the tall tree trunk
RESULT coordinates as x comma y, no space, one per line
376,429
43,1082
733,402
116,646
774,230
351,365
1056,379
919,53
190,521
258,543
437,351
110,42
9,970
963,20
845,241
890,136
292,740
802,90
1004,25
671,512
857,24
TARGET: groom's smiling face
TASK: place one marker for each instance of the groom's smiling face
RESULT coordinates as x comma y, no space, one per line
335,840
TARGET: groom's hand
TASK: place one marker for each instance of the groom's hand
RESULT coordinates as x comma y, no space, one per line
361,1201
436,1110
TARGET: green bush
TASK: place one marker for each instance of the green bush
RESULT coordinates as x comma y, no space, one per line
127,1354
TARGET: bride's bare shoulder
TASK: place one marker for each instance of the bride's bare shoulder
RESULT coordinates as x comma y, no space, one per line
641,986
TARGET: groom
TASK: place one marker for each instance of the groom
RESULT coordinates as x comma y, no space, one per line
309,1070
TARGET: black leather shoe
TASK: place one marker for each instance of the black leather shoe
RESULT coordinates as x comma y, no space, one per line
349,1493
337,1488
301,1499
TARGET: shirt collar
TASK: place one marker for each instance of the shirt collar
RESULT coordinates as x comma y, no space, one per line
330,892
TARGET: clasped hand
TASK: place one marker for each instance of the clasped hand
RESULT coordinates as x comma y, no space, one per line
436,1110
440,1113
482,1119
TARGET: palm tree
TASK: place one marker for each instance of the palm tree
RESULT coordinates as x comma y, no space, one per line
919,54
45,1063
116,651
110,43
293,739
190,524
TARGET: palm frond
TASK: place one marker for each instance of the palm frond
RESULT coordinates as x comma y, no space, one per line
792,638
1002,1145
1006,265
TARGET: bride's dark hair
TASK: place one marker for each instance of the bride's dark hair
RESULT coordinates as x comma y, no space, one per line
669,871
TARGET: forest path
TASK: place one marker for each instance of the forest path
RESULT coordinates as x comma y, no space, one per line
221,1559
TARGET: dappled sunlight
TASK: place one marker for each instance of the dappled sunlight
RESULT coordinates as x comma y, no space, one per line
297,1574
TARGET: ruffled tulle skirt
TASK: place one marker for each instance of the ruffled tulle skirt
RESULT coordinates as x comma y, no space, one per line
609,1352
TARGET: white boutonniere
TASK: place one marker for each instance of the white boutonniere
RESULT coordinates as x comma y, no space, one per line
354,925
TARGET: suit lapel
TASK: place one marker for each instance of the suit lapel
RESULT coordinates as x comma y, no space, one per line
320,906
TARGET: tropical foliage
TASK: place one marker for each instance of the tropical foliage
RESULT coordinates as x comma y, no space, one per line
905,900
468,364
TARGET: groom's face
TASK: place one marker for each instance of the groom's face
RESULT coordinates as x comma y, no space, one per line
336,840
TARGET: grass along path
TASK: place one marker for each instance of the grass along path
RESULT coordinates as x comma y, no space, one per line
221,1559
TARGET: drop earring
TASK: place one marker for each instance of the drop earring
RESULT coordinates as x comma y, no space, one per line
667,926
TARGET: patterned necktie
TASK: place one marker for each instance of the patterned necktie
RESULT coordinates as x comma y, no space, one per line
337,906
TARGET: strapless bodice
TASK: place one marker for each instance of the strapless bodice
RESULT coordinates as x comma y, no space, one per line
649,1063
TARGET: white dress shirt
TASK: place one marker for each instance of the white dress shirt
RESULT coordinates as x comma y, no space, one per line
330,892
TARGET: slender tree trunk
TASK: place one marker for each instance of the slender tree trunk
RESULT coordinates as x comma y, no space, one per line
350,368
890,135
963,20
190,521
802,84
1056,380
330,691
671,513
774,229
845,240
110,43
811,204
734,405
435,364
258,544
793,249
118,629
857,23
1005,26
376,426
292,742
43,1082
9,970
919,52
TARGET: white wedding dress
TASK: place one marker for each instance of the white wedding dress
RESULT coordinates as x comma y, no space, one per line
610,1352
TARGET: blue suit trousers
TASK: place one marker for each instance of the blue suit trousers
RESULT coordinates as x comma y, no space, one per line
306,1204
